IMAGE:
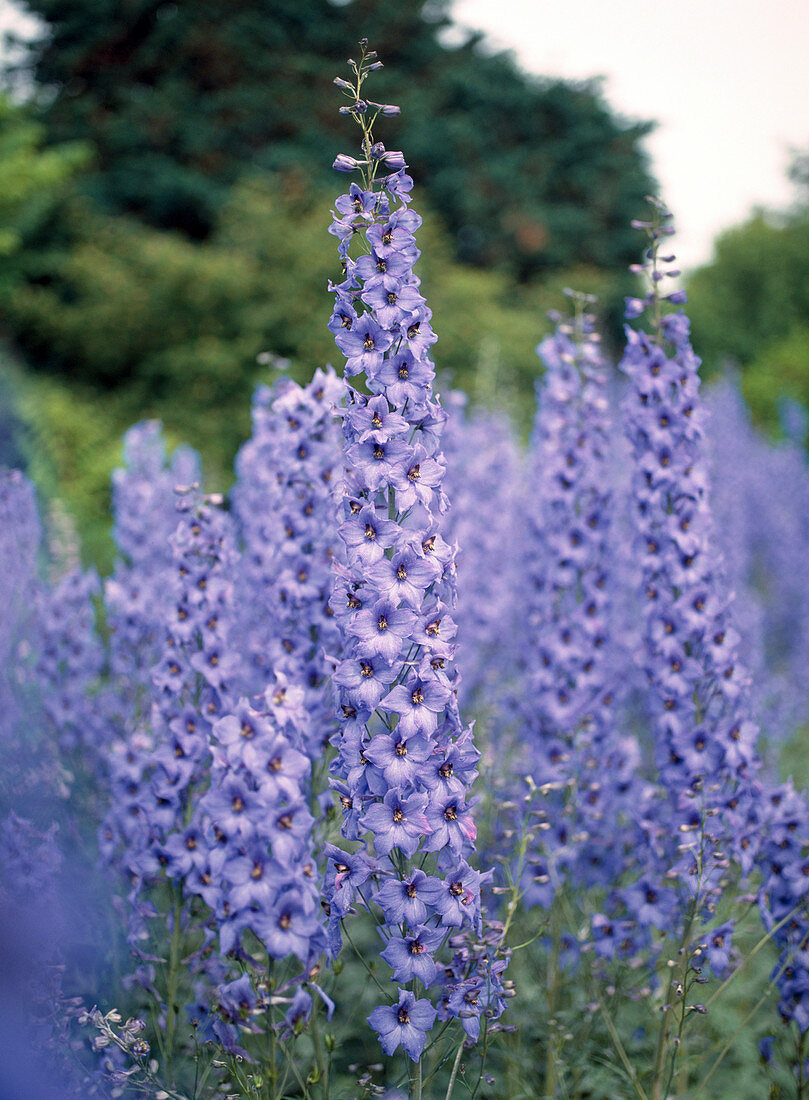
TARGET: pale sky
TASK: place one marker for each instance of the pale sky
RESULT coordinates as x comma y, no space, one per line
727,81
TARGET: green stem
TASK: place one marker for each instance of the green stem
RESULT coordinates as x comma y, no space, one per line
416,1081
321,1061
553,992
454,1073
622,1054
171,991
752,955
736,1034
801,1090
361,957
660,1049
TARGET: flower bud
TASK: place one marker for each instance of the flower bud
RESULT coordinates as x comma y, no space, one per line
344,163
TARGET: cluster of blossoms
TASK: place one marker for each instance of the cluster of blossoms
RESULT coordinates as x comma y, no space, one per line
19,544
70,662
284,505
703,737
404,761
485,477
575,755
311,629
145,516
154,781
212,795
760,503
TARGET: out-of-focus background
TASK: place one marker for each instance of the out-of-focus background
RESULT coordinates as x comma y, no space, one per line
165,187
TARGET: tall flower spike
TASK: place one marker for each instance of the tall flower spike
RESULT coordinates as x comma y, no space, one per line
486,482
20,535
155,783
284,501
703,735
761,504
145,516
568,691
404,760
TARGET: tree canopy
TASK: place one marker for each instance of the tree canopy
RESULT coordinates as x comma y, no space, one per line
750,304
183,98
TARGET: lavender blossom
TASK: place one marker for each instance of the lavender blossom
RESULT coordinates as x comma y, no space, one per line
566,707
396,684
704,737
284,504
760,500
486,481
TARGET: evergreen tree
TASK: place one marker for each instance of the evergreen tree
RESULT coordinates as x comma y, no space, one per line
182,98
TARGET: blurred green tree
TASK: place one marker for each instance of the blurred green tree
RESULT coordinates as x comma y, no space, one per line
750,305
754,291
183,97
133,321
31,180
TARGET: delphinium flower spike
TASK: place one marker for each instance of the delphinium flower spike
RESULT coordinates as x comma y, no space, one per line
144,518
704,737
20,535
405,762
579,758
760,498
285,506
69,666
168,757
486,482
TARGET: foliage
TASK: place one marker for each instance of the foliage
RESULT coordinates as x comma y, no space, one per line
780,369
31,179
750,303
68,449
755,290
181,100
129,321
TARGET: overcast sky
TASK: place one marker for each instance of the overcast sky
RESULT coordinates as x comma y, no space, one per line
727,80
